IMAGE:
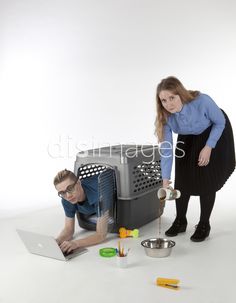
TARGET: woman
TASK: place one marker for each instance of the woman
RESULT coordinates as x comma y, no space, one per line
204,154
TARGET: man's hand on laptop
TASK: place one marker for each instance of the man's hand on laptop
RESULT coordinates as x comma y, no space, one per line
68,246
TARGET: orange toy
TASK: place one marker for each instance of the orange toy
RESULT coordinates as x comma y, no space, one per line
168,283
123,233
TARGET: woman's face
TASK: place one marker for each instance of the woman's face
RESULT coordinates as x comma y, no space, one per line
172,103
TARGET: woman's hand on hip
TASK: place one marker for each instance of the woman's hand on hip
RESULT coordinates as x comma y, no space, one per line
204,156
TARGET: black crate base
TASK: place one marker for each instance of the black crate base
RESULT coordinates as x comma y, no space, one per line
130,213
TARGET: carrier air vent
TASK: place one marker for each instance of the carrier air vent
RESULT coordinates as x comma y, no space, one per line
146,176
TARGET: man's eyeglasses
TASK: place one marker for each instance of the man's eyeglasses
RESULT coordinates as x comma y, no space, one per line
70,190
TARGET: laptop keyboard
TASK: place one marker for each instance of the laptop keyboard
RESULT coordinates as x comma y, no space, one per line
67,253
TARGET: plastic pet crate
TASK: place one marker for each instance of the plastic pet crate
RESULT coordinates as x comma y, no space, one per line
137,175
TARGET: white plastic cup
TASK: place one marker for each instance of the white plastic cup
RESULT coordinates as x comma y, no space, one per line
168,193
122,262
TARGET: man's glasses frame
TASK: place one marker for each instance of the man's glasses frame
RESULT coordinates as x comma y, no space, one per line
70,190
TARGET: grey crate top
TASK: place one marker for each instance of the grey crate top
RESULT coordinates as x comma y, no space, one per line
121,153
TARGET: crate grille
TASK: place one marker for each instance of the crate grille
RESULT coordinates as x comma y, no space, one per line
107,191
146,176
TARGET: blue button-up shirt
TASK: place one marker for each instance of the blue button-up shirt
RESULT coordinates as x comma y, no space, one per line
195,117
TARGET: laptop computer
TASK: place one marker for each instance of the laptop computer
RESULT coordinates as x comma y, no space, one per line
46,246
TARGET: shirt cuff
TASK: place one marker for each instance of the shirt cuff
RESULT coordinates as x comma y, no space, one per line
211,143
165,176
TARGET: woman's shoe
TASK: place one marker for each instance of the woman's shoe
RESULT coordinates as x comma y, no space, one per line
201,233
178,226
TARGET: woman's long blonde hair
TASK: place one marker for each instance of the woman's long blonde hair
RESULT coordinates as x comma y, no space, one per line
173,85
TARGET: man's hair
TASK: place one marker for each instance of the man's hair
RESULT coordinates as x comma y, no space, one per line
63,175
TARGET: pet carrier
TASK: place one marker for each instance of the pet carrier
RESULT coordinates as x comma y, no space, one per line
129,176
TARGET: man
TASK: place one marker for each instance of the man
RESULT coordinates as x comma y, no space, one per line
79,196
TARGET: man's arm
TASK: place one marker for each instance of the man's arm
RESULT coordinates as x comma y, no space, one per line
98,237
68,230
100,234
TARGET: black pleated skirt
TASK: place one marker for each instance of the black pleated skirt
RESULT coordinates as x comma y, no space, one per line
200,180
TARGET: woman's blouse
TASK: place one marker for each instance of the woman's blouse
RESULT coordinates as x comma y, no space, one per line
195,117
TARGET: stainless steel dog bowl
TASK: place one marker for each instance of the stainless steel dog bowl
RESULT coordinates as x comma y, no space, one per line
158,247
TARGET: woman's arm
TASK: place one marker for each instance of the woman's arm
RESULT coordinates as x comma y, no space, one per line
217,118
166,154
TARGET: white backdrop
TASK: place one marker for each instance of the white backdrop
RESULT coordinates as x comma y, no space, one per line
78,74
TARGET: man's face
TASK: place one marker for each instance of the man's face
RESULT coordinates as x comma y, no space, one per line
70,190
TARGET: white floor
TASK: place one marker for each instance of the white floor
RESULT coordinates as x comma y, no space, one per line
206,270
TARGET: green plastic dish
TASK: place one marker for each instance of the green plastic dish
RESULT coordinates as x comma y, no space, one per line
107,252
